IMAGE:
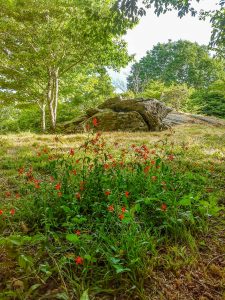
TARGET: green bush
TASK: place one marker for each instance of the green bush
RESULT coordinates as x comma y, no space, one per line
212,100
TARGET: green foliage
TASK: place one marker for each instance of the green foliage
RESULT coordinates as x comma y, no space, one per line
106,212
44,50
153,89
176,96
217,42
133,9
81,92
212,100
180,62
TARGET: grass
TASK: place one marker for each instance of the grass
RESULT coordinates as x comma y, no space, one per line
168,243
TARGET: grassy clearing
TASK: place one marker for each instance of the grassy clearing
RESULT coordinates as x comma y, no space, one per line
157,242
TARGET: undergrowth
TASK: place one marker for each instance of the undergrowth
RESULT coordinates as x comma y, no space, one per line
95,220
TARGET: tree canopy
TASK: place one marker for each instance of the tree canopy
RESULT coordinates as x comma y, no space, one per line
175,62
135,8
42,47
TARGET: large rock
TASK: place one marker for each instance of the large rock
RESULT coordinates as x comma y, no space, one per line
118,114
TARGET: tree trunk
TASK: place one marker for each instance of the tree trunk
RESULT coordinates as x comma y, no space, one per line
43,119
42,106
52,95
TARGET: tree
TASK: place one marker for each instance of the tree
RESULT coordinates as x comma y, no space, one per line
42,47
133,10
176,62
217,41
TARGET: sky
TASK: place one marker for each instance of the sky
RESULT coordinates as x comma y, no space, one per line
152,30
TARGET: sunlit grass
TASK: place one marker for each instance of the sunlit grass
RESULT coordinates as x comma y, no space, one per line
199,156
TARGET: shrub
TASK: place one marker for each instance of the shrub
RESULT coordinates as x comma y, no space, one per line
212,100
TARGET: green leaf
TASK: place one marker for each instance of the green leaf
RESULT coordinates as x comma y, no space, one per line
62,296
87,257
85,296
185,201
73,238
25,262
121,269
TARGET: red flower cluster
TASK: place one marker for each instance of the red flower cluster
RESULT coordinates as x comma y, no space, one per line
78,196
170,157
106,166
58,186
121,216
21,170
111,208
79,260
12,212
72,152
95,122
164,207
146,169
127,194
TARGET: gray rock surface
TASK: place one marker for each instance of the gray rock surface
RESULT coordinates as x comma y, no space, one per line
178,118
118,114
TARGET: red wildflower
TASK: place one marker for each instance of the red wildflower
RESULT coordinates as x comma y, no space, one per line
71,152
145,155
37,185
171,157
12,212
153,162
78,196
77,161
1,212
7,194
77,232
121,216
127,194
106,166
153,152
123,209
74,172
164,207
79,260
111,208
21,171
107,193
146,169
58,186
154,178
95,122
